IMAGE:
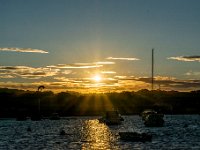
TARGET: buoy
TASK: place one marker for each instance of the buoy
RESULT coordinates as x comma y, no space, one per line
62,132
29,129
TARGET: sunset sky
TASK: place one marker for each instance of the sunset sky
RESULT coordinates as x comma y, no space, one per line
99,45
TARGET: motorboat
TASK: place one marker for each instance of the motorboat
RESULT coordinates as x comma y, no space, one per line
54,116
152,118
111,118
147,112
135,136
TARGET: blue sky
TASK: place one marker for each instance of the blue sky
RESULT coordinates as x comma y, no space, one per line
83,32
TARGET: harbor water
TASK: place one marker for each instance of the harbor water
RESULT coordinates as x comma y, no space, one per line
179,132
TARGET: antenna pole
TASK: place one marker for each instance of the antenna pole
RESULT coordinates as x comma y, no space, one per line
152,71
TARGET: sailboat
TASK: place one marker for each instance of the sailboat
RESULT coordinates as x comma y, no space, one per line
151,117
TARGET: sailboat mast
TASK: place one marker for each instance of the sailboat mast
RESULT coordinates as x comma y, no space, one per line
152,71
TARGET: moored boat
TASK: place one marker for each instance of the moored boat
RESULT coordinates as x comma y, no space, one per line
135,136
36,117
21,118
54,116
111,118
152,118
147,112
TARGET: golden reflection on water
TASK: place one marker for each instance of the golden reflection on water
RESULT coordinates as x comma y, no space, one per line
97,136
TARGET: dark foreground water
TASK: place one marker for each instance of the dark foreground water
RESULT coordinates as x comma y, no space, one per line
179,132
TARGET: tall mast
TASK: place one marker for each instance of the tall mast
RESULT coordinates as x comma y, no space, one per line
152,70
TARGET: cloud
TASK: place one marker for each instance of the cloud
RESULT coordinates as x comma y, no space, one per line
105,63
76,66
86,85
171,83
72,80
87,80
23,50
125,77
158,80
66,72
131,85
121,77
54,86
28,72
6,76
108,72
82,65
186,58
77,85
121,58
163,82
192,73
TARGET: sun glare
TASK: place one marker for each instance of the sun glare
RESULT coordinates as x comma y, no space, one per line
97,78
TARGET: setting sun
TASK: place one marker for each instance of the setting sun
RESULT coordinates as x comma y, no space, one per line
97,78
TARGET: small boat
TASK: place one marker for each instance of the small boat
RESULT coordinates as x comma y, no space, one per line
36,117
62,132
147,112
21,115
54,116
21,118
135,137
152,118
111,118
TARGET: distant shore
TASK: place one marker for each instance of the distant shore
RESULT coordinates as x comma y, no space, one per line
14,103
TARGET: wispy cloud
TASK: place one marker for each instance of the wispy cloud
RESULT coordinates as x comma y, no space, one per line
105,63
171,83
66,72
82,65
108,72
125,77
72,80
27,72
23,50
107,85
6,76
186,58
54,86
121,77
157,80
122,58
163,82
193,73
76,66
86,80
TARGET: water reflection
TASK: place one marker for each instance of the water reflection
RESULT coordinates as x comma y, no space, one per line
96,135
